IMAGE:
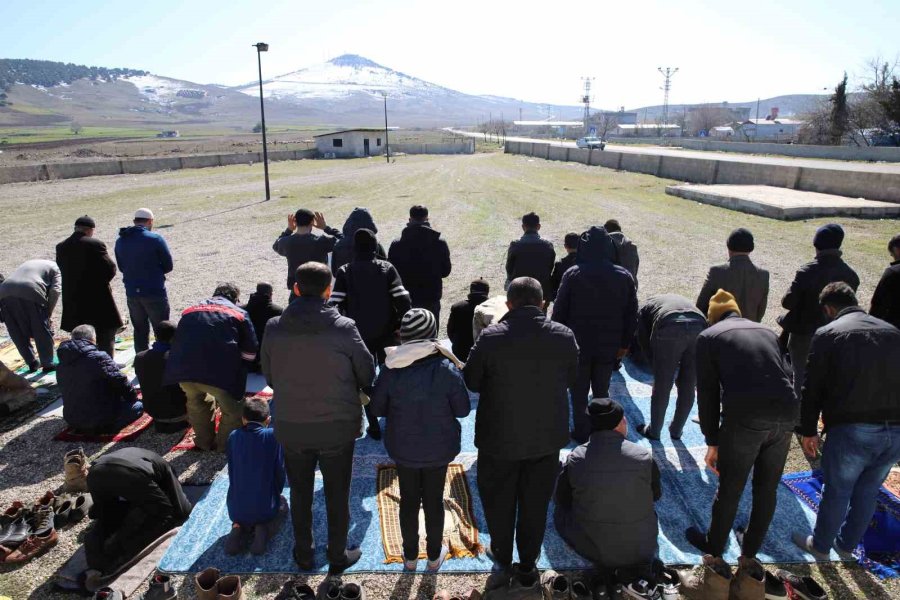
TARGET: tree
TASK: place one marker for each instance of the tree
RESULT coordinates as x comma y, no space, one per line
840,113
258,127
76,127
891,104
605,123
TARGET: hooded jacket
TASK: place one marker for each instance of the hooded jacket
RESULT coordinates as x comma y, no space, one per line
144,259
255,463
316,363
597,298
95,392
626,254
802,300
86,270
360,218
423,260
459,327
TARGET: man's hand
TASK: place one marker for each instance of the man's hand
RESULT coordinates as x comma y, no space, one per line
292,222
319,221
712,459
621,353
810,445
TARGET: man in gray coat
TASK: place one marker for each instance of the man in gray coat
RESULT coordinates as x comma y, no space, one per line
606,492
316,363
27,299
740,277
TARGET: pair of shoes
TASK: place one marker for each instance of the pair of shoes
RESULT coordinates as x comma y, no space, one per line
161,588
333,588
75,467
33,546
515,583
804,588
712,581
211,585
69,510
433,566
107,593
644,430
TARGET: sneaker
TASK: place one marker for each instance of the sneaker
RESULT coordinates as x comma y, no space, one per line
260,539
643,589
644,430
46,500
107,593
556,586
804,588
434,565
805,542
353,591
235,540
161,588
32,547
669,584
41,520
525,583
775,589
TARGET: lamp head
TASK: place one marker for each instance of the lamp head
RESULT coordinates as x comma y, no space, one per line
261,47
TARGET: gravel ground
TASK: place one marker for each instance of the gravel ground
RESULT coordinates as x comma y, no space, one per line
219,231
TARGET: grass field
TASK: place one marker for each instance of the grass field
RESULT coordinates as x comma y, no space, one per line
219,230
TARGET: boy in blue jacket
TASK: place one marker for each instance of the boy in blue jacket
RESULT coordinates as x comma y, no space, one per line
256,479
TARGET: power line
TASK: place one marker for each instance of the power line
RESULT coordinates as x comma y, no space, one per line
667,73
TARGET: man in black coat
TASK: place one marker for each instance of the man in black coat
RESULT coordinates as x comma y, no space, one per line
167,404
460,328
563,264
522,367
261,308
531,255
423,260
740,277
597,299
300,245
802,300
886,299
87,296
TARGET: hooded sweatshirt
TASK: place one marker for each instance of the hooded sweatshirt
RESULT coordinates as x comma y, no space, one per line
360,218
144,259
597,298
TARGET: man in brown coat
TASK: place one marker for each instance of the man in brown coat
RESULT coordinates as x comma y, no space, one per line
87,296
740,277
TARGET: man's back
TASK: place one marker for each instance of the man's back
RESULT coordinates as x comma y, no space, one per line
802,299
531,256
459,327
886,299
300,248
34,280
626,253
742,279
370,292
92,386
144,260
161,401
423,259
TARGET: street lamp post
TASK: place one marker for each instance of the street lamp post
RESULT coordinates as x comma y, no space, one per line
260,48
387,144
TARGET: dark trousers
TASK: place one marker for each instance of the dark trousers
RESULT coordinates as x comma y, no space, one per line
25,321
336,464
798,347
146,311
762,447
515,495
106,340
425,488
434,307
674,347
594,373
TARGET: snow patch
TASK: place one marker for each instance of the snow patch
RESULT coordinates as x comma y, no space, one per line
160,90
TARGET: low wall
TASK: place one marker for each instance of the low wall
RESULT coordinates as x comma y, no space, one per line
866,153
467,147
141,165
855,184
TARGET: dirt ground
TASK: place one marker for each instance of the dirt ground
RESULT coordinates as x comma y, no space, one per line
218,230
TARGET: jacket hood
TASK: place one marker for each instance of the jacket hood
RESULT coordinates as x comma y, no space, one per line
618,237
133,230
71,351
309,315
360,218
417,231
595,247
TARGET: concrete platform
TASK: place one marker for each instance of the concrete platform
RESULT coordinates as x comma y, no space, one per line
783,203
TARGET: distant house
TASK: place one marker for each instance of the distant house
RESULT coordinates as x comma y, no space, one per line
723,132
168,134
646,130
769,129
351,143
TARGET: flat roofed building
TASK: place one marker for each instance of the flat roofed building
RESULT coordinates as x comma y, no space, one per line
351,143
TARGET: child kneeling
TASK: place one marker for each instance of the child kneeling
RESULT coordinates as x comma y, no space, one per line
256,479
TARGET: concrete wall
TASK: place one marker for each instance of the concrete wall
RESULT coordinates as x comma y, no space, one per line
874,153
143,165
855,184
466,147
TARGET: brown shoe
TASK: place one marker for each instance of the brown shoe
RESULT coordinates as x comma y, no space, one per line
230,588
47,499
206,584
75,467
34,546
749,581
12,513
712,581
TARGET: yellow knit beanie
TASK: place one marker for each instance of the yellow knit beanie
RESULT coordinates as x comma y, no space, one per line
720,304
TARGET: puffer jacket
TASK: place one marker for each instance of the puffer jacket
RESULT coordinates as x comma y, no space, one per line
802,300
94,390
144,259
423,260
360,218
597,298
422,403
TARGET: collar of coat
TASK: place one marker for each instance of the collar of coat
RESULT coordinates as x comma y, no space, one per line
848,310
524,312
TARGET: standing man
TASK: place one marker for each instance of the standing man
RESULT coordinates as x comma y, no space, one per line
562,265
300,245
87,296
316,363
668,326
422,258
739,277
853,382
597,299
802,300
747,413
522,366
886,299
626,250
27,299
531,255
144,259
214,346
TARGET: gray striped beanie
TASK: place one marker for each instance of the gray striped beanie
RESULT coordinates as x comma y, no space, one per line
418,324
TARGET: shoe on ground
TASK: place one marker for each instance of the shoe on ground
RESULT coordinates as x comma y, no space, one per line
41,520
206,584
697,539
711,581
297,590
236,540
556,586
351,557
32,547
260,539
16,532
161,588
580,591
330,588
804,588
353,591
644,430
80,508
75,467
805,542
62,512
410,565
642,589
46,500
229,588
775,589
669,584
498,579
435,565
749,581
107,593
525,583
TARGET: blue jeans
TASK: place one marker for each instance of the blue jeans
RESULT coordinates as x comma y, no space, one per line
146,311
855,462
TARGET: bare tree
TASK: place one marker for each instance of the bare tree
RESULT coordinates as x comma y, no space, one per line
606,122
76,127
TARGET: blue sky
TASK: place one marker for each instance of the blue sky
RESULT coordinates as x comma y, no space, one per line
536,51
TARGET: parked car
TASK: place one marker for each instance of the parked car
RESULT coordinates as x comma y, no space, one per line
590,142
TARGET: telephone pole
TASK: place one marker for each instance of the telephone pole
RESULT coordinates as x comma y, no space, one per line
667,73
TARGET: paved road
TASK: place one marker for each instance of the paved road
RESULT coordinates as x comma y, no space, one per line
811,163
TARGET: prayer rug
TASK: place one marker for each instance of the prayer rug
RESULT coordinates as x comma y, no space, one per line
126,434
880,548
460,530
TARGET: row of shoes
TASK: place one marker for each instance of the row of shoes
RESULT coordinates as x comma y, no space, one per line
160,588
27,532
68,509
520,583
715,581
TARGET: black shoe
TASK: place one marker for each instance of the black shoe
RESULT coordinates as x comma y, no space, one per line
374,432
330,588
48,369
697,539
804,588
33,367
15,533
351,557
305,563
643,430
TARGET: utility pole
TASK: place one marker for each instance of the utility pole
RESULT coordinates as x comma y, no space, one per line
756,129
387,143
668,73
586,100
260,48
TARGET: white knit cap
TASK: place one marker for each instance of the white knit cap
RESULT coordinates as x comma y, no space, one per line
143,213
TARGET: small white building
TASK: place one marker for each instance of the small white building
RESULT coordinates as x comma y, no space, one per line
646,130
770,129
351,143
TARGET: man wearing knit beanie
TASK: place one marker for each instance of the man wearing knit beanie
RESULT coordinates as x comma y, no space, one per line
459,326
748,283
804,314
618,475
747,411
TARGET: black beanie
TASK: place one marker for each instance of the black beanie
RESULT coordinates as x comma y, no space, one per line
605,414
264,289
480,287
364,241
829,237
85,221
740,240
